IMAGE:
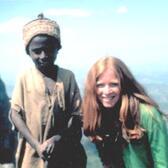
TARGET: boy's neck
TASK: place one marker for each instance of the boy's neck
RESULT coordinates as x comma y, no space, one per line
50,72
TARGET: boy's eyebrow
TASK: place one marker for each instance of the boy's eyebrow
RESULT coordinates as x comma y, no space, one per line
36,49
39,48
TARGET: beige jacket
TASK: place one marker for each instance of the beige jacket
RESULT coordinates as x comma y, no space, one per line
32,101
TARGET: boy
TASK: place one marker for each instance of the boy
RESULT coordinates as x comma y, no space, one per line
45,106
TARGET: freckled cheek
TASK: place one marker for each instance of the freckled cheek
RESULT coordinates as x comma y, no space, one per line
118,93
98,91
117,90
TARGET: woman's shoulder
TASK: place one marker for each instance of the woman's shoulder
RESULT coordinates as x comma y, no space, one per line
151,115
148,110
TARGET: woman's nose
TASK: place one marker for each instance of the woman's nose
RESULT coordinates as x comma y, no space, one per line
107,89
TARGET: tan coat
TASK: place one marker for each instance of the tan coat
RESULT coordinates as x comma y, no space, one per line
38,108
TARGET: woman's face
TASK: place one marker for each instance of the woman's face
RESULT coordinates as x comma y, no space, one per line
108,88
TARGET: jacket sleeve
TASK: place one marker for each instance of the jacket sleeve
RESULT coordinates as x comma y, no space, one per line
157,133
73,104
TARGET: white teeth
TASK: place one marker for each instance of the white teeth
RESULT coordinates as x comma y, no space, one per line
108,97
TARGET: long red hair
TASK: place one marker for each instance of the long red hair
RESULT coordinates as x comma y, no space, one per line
132,93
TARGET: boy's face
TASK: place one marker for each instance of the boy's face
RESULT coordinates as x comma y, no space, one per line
43,50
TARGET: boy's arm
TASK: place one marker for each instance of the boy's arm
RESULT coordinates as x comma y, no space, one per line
24,130
73,131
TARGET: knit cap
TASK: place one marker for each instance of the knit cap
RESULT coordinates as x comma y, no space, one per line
40,25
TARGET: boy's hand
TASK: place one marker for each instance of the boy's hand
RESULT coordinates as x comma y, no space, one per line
95,138
46,148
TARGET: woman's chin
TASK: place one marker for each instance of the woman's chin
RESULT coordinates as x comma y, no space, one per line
108,105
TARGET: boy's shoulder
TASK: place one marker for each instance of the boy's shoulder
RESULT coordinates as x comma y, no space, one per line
27,72
63,72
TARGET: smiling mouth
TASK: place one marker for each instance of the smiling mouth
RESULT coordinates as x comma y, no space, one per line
43,63
108,97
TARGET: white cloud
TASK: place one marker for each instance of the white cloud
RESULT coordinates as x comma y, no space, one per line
122,9
12,25
16,24
67,12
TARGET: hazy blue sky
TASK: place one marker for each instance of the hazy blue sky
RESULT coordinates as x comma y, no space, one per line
134,30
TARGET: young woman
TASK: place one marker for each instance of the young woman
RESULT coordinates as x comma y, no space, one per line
125,124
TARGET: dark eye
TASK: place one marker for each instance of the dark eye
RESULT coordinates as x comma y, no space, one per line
99,85
50,49
37,51
114,84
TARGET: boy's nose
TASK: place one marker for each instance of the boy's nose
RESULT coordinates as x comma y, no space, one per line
42,55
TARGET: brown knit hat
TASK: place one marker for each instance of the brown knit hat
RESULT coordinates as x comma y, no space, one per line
40,26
